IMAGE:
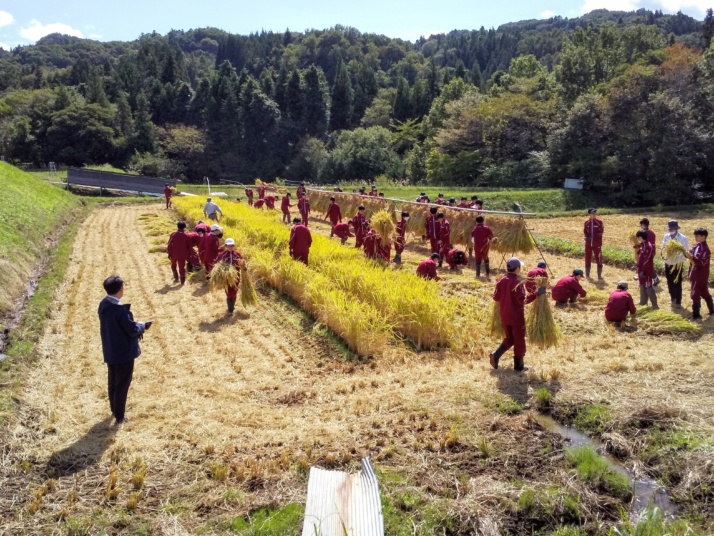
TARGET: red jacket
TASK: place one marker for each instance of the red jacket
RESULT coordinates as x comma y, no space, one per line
300,238
701,257
651,236
259,203
619,304
249,193
179,246
210,247
304,205
229,257
195,239
593,231
342,230
445,232
535,272
261,191
203,226
463,204
384,249
301,191
481,234
645,260
371,244
512,298
433,227
285,204
452,260
334,213
427,270
270,201
566,287
359,222
167,192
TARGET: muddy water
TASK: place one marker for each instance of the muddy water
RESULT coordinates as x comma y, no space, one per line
645,491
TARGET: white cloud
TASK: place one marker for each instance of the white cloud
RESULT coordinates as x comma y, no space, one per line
36,30
547,14
612,5
94,36
5,46
6,19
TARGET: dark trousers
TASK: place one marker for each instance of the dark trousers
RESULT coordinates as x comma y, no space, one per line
119,382
674,287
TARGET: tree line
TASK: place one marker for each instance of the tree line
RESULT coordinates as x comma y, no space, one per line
624,101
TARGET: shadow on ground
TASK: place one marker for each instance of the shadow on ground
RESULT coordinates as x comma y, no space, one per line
83,453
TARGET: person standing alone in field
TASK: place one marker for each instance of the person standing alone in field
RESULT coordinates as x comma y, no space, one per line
179,248
593,231
120,344
645,270
300,241
674,266
512,298
285,208
211,210
167,194
481,237
334,214
700,257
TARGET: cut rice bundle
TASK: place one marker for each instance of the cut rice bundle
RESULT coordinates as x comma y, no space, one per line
223,275
495,327
673,252
383,224
541,328
513,237
247,289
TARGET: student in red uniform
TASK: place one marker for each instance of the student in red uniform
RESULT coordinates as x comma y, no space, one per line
455,257
167,195
179,249
474,200
463,203
201,243
444,236
593,230
342,231
433,229
194,261
370,244
568,288
645,269
400,240
651,238
270,201
384,249
211,245
301,191
427,268
202,225
303,205
261,191
539,271
334,214
359,222
373,192
700,257
231,256
285,207
512,299
481,237
300,241
440,199
249,194
619,305
259,203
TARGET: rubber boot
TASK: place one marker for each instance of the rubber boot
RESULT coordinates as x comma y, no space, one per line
710,305
488,269
587,271
441,261
495,356
478,269
231,306
397,258
653,297
643,295
518,365
183,280
696,311
176,277
599,272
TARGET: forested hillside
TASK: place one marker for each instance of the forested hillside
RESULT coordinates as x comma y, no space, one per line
623,100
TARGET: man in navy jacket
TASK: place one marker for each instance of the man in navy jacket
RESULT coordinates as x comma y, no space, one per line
120,343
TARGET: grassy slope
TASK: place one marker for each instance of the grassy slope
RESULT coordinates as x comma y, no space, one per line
30,210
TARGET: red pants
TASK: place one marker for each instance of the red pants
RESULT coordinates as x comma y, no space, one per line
398,246
232,293
515,338
304,218
593,252
481,255
168,201
181,267
301,256
359,240
700,289
250,201
434,245
445,247
209,265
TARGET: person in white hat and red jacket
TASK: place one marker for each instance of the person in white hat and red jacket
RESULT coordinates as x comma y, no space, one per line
231,256
512,298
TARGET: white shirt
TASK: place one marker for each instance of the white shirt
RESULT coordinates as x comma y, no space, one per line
679,237
211,208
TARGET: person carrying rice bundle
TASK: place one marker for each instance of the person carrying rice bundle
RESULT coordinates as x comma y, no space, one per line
400,237
334,214
481,237
593,231
226,274
359,222
651,238
568,288
645,270
674,262
512,298
371,244
300,241
700,256
304,208
619,304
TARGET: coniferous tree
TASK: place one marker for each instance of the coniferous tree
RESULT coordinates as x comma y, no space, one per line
316,113
144,138
476,76
294,99
342,100
95,89
708,28
402,103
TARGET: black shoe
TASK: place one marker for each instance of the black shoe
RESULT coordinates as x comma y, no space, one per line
119,422
493,360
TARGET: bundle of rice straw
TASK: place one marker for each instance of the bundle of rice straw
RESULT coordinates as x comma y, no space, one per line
541,328
632,237
674,254
513,237
383,224
223,275
247,290
495,327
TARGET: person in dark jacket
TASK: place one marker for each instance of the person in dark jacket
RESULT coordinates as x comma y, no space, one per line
120,344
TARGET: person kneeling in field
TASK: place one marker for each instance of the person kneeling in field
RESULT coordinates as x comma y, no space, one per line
568,288
342,231
231,256
645,269
619,304
259,203
300,241
512,298
539,271
427,268
456,257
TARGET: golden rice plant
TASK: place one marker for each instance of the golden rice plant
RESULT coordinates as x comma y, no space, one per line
495,326
223,275
382,223
632,237
246,288
541,328
513,237
673,250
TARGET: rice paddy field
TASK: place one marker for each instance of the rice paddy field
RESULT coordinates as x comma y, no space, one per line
227,414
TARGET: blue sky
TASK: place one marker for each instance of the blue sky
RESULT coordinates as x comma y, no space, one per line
23,22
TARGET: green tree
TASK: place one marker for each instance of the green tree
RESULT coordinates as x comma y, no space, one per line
144,137
402,102
81,135
316,113
342,100
363,154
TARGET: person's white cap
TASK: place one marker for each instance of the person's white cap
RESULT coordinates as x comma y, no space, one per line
230,242
215,227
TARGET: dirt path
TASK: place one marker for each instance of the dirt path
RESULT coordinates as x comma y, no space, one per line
266,393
